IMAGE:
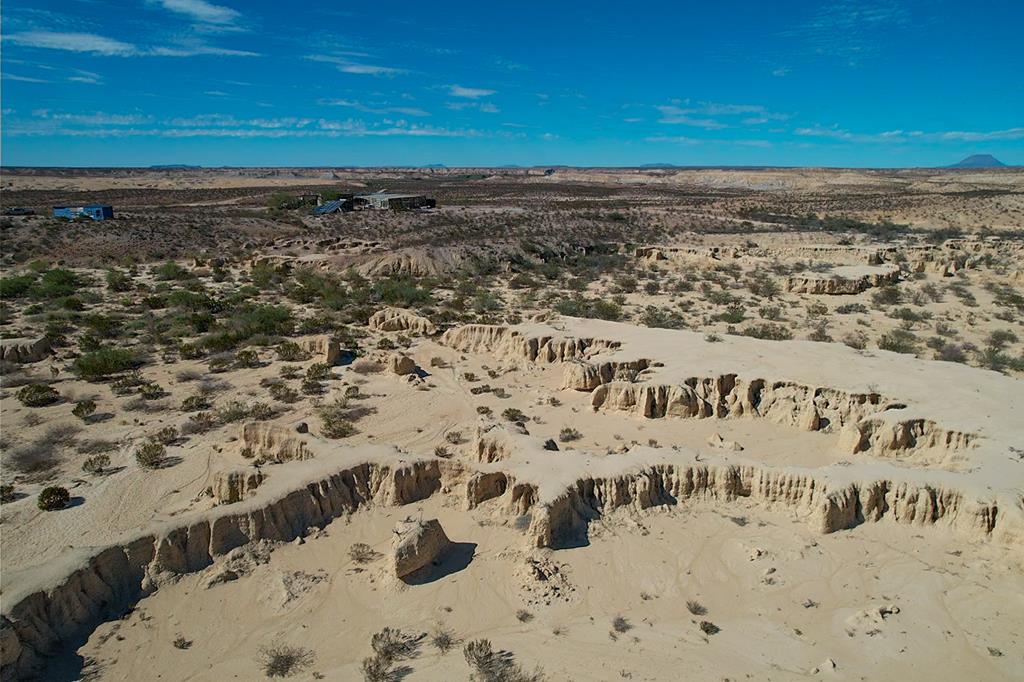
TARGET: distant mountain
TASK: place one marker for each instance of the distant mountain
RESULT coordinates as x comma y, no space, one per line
979,161
174,166
435,165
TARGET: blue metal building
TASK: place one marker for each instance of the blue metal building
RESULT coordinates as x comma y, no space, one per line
94,211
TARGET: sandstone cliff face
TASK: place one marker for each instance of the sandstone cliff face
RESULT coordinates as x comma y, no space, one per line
273,443
823,507
24,350
506,342
64,609
400,320
229,487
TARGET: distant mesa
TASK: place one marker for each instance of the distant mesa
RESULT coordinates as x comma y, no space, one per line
979,161
174,166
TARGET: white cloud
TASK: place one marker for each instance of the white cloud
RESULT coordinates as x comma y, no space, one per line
469,93
673,139
677,116
90,43
202,11
370,109
23,79
73,42
346,65
904,136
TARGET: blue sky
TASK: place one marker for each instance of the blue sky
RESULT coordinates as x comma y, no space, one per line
230,83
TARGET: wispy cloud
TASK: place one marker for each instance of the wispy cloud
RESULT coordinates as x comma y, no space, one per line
90,43
23,79
708,114
346,65
849,29
73,42
484,107
47,123
469,93
372,109
904,136
673,139
202,11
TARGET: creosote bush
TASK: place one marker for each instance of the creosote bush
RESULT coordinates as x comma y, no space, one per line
150,454
52,498
84,409
96,465
104,362
37,395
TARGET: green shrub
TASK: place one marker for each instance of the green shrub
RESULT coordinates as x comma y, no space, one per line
84,409
247,359
289,351
165,436
96,464
899,341
16,286
150,454
38,395
767,330
170,271
195,403
104,362
53,498
334,419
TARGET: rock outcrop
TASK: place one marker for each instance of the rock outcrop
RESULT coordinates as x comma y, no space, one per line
323,347
846,280
24,350
58,605
401,320
401,364
417,545
229,487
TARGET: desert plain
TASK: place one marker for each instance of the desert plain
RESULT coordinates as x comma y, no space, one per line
569,424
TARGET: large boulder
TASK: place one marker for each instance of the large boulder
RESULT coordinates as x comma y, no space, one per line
323,347
24,350
400,320
401,364
418,544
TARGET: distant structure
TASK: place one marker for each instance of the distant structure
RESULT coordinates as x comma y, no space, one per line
382,200
94,211
18,210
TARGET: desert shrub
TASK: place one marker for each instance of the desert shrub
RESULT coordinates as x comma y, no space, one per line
899,341
763,286
57,283
1000,338
231,412
7,493
443,639
524,616
195,403
695,607
851,308
261,411
289,351
442,452
165,436
181,643
951,352
170,271
247,359
709,628
200,422
513,414
150,454
284,661
104,362
391,644
453,437
856,339
37,395
568,434
653,316
52,498
334,419
84,409
376,669
768,330
96,464
889,295
283,393
365,366
311,386
362,553
16,286
734,314
119,281
319,371
621,625
151,390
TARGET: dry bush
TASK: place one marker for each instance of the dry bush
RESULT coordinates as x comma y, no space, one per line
362,553
695,607
284,661
366,366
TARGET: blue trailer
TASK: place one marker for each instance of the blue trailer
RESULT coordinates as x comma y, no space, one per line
94,211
